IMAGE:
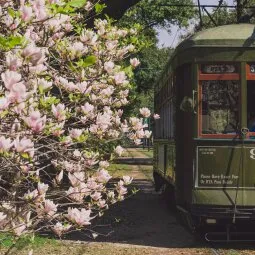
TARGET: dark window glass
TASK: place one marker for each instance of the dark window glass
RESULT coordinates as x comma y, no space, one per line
251,105
220,100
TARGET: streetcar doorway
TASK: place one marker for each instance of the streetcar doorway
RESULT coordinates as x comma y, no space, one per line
251,105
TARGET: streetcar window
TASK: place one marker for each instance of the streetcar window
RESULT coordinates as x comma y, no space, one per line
220,100
251,105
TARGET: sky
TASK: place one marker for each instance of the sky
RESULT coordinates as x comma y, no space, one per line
171,40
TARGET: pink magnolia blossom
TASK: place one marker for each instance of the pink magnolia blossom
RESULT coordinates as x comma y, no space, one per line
134,62
83,87
103,120
19,230
145,112
108,91
19,109
88,6
24,145
50,208
31,36
5,144
57,129
43,84
25,168
31,194
77,49
4,103
79,217
103,176
76,194
108,66
18,93
69,86
76,178
87,108
59,229
119,150
147,133
137,141
93,185
102,204
121,189
75,133
35,122
8,20
34,55
2,218
111,195
59,177
26,13
40,9
13,62
77,153
104,164
120,78
156,116
110,45
10,78
37,69
127,179
42,188
88,37
59,112
96,196
69,167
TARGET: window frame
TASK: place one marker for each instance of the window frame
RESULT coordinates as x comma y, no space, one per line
216,77
249,77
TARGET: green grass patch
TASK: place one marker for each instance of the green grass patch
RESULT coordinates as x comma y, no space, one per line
7,240
149,154
118,170
139,152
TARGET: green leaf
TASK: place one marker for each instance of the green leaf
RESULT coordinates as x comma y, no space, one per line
77,3
8,43
25,155
89,61
129,71
99,7
11,12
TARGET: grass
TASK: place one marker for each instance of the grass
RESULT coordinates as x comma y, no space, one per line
138,152
25,243
119,170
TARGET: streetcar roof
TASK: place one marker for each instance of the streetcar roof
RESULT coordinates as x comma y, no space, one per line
234,35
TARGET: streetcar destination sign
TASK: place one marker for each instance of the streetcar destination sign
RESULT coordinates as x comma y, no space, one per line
225,167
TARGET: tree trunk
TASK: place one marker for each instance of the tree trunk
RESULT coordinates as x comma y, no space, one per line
116,8
238,10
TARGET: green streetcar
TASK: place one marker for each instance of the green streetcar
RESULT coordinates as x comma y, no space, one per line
204,141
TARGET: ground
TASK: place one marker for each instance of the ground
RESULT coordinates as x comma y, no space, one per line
142,224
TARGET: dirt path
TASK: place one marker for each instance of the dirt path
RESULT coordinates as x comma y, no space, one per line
143,219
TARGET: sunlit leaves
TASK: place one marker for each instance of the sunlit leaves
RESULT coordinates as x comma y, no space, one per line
77,3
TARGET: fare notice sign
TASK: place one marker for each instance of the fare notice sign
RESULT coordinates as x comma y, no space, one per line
225,167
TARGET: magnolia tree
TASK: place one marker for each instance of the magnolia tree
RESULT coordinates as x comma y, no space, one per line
63,88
